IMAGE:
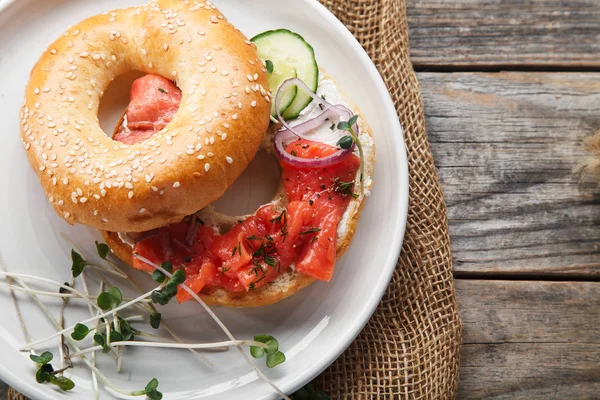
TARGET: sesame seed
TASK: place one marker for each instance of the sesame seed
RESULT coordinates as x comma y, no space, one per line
83,199
142,210
84,54
130,194
253,104
150,65
206,167
176,185
224,73
36,91
213,69
166,46
234,116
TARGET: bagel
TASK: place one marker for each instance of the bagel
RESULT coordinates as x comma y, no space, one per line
291,281
224,113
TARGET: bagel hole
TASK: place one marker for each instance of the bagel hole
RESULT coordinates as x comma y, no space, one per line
256,186
115,100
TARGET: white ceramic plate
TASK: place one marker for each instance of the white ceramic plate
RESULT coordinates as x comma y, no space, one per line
313,327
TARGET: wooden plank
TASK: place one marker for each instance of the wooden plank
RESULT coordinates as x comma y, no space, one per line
484,33
529,340
505,145
3,390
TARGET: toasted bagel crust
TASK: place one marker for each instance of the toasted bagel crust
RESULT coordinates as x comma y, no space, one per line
291,281
224,113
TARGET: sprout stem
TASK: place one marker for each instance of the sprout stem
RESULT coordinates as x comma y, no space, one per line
135,343
218,321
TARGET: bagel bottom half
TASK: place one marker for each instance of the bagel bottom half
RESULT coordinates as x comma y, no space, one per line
289,282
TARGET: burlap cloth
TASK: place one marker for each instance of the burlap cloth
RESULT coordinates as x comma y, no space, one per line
410,347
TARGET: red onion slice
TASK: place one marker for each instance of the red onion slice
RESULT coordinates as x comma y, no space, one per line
287,136
146,235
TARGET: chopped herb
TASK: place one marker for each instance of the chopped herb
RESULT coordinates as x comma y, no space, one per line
270,261
344,187
162,90
233,251
239,248
225,269
251,286
332,127
310,230
282,221
294,153
314,239
269,66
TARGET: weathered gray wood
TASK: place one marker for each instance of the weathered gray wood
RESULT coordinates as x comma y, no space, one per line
496,312
484,33
505,145
3,390
529,340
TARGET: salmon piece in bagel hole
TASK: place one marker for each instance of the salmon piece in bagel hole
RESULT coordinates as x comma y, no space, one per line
256,260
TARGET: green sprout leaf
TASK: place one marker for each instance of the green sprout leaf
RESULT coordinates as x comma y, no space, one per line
178,277
155,320
116,293
158,276
343,125
78,263
152,390
62,382
125,329
159,297
115,336
352,120
345,142
269,66
111,299
102,249
101,340
168,266
43,374
80,332
43,358
274,356
274,360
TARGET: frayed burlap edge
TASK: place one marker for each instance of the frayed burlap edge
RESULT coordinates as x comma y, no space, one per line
410,347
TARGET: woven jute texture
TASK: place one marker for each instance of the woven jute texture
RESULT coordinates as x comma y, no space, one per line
410,347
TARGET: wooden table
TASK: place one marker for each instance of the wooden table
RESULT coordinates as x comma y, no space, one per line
510,90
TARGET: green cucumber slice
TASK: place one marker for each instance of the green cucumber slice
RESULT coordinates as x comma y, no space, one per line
281,72
283,46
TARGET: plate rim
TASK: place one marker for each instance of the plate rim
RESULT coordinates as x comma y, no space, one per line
402,182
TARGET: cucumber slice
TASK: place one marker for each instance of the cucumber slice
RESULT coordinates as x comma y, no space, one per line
282,46
281,72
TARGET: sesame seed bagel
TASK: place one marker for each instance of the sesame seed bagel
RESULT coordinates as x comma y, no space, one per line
224,114
291,281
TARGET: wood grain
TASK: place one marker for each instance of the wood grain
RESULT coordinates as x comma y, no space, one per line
484,33
505,146
529,340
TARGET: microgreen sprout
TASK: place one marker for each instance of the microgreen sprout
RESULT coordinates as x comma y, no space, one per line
78,263
102,249
269,66
348,126
110,299
274,356
164,295
155,320
152,390
46,372
80,332
159,276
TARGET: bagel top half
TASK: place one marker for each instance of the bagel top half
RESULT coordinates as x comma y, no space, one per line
223,116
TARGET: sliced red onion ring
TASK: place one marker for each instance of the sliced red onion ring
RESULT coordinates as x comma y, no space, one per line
287,136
